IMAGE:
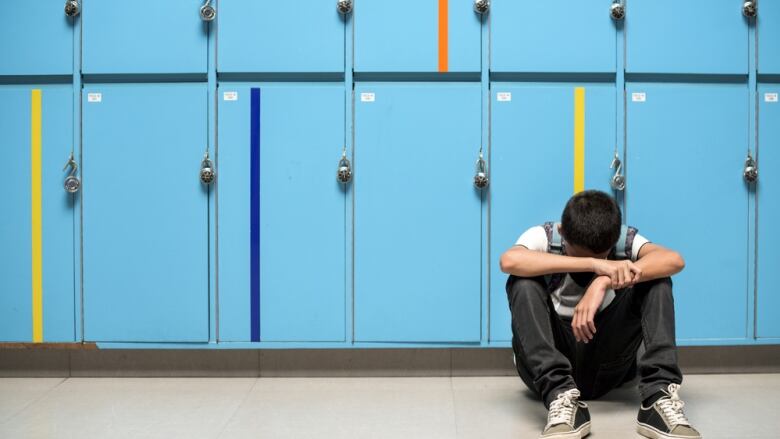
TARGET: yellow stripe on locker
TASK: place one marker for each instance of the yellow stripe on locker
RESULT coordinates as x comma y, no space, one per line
579,139
37,220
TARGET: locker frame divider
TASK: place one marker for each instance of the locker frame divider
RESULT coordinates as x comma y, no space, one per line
213,201
349,202
752,238
485,195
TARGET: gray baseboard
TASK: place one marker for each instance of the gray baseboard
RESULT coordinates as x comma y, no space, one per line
330,362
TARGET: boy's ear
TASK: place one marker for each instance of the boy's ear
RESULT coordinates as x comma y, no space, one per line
560,229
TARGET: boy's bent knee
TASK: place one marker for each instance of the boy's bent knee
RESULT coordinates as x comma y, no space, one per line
518,286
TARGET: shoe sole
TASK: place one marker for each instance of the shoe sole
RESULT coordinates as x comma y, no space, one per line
654,433
579,433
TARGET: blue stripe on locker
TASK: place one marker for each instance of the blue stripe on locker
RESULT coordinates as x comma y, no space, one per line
254,213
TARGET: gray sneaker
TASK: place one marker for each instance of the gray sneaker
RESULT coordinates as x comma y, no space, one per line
665,418
568,417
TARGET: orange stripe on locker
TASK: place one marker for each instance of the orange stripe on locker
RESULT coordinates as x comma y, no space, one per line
444,35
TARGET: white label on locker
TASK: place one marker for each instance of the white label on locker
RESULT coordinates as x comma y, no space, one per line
367,97
770,97
94,97
230,96
638,97
504,96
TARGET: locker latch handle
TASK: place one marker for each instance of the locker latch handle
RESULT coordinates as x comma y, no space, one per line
72,182
750,8
618,181
72,8
344,6
617,10
750,173
481,6
207,172
344,173
207,12
481,180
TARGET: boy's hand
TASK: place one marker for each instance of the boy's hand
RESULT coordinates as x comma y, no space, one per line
621,273
582,324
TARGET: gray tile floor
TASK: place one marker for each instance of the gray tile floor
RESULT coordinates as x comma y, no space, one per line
721,406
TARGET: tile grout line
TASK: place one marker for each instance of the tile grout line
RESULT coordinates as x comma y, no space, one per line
238,407
454,407
8,420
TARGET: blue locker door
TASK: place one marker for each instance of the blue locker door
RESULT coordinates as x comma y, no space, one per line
417,213
533,161
38,38
686,150
768,300
426,36
148,37
145,214
769,37
36,225
705,36
281,213
264,36
552,36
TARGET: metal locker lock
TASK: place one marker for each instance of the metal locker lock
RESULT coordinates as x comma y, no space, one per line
72,183
344,6
344,173
617,11
207,173
207,12
750,9
618,181
481,180
72,8
481,6
751,169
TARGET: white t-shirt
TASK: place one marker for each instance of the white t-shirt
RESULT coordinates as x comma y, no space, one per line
570,289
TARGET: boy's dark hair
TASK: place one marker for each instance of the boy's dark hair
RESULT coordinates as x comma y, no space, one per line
591,219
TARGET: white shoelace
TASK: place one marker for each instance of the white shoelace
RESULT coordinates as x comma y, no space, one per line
562,409
672,406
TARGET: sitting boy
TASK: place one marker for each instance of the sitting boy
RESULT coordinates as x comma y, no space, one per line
583,295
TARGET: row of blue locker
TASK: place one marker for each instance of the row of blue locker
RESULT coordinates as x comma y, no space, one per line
278,250
527,36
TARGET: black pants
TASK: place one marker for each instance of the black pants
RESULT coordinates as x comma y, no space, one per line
551,361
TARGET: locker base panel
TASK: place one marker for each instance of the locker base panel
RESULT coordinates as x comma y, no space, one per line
334,363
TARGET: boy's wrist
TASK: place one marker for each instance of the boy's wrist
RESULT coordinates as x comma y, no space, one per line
603,280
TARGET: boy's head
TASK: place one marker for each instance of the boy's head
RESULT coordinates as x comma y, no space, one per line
591,224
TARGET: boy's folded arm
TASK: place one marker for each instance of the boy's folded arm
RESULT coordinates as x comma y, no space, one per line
520,261
656,262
